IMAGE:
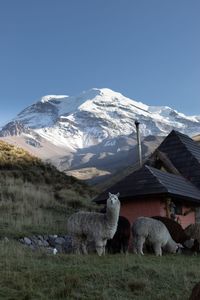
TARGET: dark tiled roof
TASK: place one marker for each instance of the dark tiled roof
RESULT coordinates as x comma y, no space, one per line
149,181
192,146
184,153
176,185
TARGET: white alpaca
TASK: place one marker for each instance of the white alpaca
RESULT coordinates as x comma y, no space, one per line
93,226
153,232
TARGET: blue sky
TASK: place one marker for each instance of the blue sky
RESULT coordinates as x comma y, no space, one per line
148,50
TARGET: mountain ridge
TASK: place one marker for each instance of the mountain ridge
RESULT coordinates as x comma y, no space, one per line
93,128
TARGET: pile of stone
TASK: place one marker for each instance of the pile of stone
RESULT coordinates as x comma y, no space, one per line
50,243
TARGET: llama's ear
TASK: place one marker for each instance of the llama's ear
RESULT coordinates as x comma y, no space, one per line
118,194
109,194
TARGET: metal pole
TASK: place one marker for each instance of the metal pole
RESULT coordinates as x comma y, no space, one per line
137,123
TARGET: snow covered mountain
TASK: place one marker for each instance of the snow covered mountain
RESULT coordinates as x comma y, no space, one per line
93,130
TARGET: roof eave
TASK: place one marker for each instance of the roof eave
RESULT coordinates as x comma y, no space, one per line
146,196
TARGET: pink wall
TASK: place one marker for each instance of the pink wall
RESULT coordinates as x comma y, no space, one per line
140,208
183,220
152,207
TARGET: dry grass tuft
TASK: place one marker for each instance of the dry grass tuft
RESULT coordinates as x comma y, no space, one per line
36,198
137,286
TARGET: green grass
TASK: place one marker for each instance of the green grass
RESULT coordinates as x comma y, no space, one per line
27,208
29,275
36,199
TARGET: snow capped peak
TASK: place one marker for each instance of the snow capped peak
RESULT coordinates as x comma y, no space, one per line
48,98
98,115
107,92
106,96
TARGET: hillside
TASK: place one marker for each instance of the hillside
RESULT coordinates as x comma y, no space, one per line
35,197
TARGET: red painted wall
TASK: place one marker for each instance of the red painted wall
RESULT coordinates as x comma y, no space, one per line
152,207
187,220
183,220
140,208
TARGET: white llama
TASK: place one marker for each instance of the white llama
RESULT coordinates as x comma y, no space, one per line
153,232
85,227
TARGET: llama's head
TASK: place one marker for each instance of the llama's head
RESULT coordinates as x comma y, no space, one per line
113,200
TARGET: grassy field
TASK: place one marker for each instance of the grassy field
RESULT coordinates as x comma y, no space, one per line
29,275
35,198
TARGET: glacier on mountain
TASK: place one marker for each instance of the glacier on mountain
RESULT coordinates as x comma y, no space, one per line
99,115
92,135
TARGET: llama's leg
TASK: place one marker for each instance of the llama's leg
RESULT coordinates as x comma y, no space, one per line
99,247
139,244
125,246
104,246
84,246
76,243
157,249
135,245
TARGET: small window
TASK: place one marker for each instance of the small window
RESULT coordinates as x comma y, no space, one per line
178,209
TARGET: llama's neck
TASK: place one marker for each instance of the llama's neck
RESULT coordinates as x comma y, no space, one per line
112,215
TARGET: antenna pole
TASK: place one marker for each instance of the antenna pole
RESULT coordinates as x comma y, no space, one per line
137,123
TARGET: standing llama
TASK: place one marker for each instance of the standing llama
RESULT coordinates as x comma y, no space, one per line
153,232
94,227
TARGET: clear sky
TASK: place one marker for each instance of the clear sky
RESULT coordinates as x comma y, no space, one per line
148,50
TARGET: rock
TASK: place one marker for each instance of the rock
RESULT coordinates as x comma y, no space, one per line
62,244
34,240
45,243
59,248
59,240
51,241
40,243
27,241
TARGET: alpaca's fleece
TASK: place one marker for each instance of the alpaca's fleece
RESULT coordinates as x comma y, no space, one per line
175,229
193,231
120,241
153,232
178,234
93,226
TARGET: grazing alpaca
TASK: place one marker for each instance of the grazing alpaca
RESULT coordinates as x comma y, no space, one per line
193,231
120,241
154,233
175,229
92,226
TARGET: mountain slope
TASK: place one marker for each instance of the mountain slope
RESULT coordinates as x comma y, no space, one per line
93,130
35,197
